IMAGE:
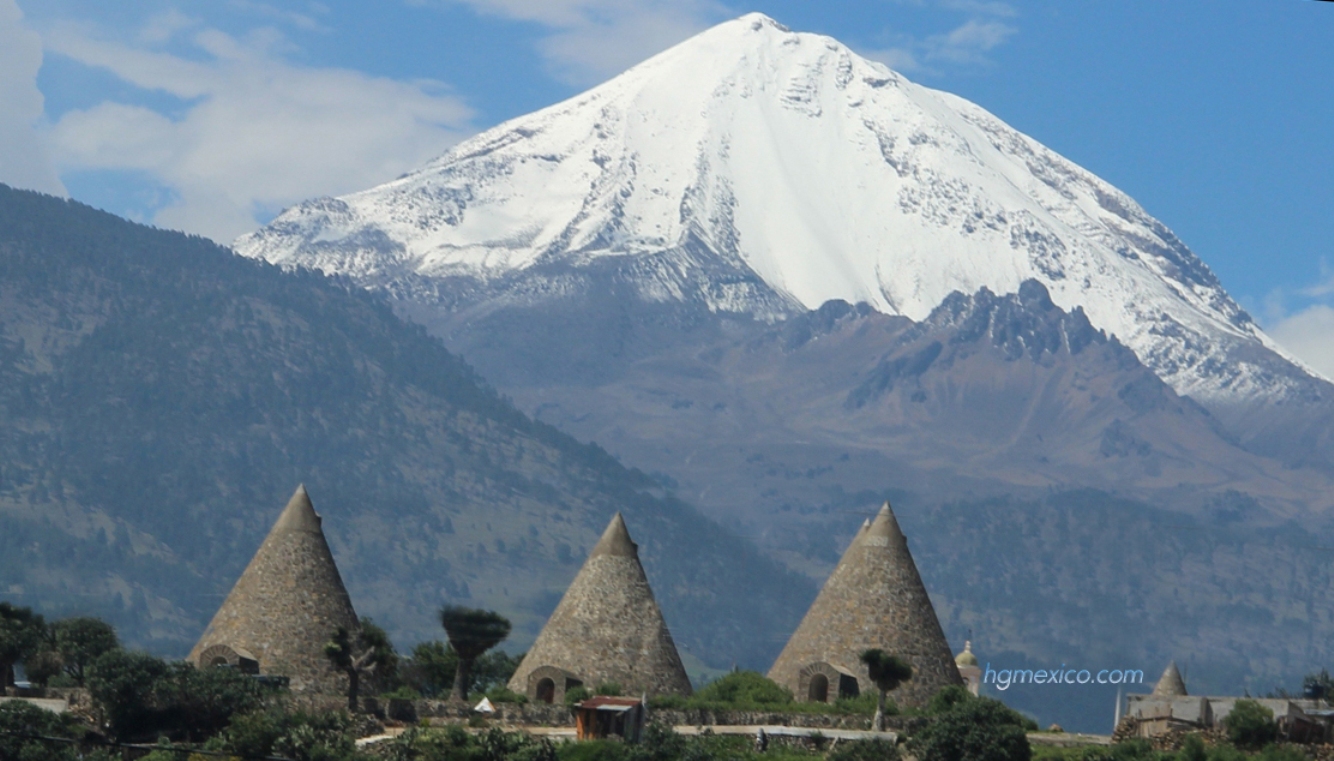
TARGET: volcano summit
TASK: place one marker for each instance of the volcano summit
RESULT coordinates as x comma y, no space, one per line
759,171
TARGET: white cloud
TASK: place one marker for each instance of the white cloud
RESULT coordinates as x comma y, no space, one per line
591,40
24,159
969,43
966,45
1309,334
303,21
258,132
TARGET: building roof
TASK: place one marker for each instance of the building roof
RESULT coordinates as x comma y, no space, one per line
287,603
608,627
873,599
609,703
1170,683
966,658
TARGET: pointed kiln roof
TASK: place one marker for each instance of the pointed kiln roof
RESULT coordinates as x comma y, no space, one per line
1170,683
873,599
299,515
608,627
615,541
287,603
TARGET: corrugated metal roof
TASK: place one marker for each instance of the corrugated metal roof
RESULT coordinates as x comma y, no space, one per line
609,703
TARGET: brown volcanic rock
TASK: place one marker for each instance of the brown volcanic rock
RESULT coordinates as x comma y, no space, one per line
873,599
607,628
285,606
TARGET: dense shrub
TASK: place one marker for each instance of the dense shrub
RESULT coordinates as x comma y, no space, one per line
22,723
745,688
143,697
504,694
868,750
975,730
1281,753
456,744
1250,725
1192,748
947,699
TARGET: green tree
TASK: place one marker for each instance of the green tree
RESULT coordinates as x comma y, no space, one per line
43,665
121,684
365,652
888,672
21,635
80,641
196,704
471,633
433,665
976,730
1250,725
431,668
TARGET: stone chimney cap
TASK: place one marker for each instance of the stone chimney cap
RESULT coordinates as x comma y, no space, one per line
299,515
885,528
1170,683
615,541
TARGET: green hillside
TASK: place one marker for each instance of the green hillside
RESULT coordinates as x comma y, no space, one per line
161,397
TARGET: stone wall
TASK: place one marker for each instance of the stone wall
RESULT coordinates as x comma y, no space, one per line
543,715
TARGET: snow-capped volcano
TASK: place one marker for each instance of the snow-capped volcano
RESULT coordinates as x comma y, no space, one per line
756,170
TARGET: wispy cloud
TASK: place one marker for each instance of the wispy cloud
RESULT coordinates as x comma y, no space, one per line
1306,330
304,21
258,132
985,28
1309,334
25,161
591,40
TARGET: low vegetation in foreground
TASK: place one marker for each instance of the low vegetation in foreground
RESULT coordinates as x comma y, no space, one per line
174,712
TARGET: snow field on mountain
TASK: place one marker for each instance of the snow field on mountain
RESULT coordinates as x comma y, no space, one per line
826,175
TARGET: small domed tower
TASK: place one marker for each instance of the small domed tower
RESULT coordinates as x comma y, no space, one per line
969,671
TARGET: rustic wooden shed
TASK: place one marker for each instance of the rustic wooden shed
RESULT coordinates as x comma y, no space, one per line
604,716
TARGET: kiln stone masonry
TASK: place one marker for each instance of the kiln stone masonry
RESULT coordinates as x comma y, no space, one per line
1170,683
873,599
285,606
607,628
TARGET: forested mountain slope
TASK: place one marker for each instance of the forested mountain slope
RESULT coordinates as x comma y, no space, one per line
161,397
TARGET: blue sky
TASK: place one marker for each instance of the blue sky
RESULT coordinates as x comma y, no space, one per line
211,117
